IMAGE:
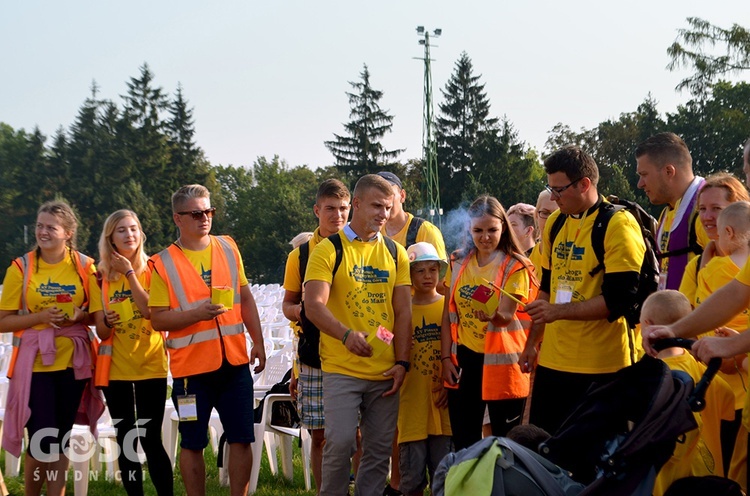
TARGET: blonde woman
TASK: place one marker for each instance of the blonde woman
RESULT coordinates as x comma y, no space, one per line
44,303
132,362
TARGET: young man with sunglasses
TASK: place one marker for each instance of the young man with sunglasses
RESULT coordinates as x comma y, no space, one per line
580,315
206,339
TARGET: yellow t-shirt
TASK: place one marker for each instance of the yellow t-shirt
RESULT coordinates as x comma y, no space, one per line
667,217
418,417
536,259
595,346
717,273
159,294
137,349
471,331
46,282
689,283
361,298
700,453
292,279
744,274
427,232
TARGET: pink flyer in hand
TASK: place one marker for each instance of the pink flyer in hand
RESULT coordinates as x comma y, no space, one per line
384,335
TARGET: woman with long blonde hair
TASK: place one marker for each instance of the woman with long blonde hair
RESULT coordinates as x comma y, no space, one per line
132,362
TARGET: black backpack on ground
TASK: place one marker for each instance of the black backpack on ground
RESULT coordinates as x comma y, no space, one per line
308,347
648,280
283,413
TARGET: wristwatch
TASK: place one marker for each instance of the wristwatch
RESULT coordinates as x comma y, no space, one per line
404,364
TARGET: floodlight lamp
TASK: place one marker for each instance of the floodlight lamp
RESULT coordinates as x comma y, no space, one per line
438,32
420,29
421,42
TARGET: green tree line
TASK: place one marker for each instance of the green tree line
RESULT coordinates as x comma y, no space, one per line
134,153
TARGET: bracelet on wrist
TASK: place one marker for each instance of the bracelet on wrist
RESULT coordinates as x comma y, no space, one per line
127,274
346,335
106,322
445,358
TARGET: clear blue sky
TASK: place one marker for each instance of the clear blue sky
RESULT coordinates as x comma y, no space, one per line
269,78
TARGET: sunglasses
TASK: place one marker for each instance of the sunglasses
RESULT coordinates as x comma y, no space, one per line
198,214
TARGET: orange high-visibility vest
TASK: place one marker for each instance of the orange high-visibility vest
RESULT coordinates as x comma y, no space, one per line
201,347
26,264
502,377
104,354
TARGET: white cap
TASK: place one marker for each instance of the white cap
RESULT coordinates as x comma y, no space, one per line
426,252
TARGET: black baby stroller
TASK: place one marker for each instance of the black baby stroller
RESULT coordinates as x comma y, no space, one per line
616,441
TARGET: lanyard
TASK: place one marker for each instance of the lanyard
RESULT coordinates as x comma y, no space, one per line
575,238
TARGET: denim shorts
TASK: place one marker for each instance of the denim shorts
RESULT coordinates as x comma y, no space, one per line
230,391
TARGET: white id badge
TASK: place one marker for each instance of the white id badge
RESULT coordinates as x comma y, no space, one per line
662,281
186,405
564,292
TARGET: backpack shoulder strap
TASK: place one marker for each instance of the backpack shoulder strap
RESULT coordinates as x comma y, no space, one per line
391,245
339,248
411,232
304,256
554,231
606,211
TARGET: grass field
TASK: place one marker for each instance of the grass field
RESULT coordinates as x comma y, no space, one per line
268,484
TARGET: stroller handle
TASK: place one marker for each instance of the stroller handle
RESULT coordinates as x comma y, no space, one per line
697,399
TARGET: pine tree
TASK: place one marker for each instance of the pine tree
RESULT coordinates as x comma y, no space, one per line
181,129
360,152
462,127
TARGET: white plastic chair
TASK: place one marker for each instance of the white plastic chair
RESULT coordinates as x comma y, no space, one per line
215,430
263,430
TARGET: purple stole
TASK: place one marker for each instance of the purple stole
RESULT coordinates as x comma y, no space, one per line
679,239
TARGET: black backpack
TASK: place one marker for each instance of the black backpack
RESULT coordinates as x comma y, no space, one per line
309,339
648,280
283,413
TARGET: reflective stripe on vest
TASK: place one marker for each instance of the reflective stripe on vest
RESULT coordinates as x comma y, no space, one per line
105,349
501,358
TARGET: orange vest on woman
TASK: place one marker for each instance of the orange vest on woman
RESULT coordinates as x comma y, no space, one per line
502,377
26,264
202,347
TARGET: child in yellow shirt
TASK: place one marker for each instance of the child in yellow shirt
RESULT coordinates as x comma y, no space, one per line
700,453
424,431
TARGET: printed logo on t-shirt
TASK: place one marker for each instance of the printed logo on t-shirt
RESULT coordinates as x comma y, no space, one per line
206,275
426,357
369,274
121,294
563,249
53,289
466,291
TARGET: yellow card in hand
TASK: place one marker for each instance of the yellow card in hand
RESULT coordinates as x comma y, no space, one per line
222,295
484,298
65,303
124,309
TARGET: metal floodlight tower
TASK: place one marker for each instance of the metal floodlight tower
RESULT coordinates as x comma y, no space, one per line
429,145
